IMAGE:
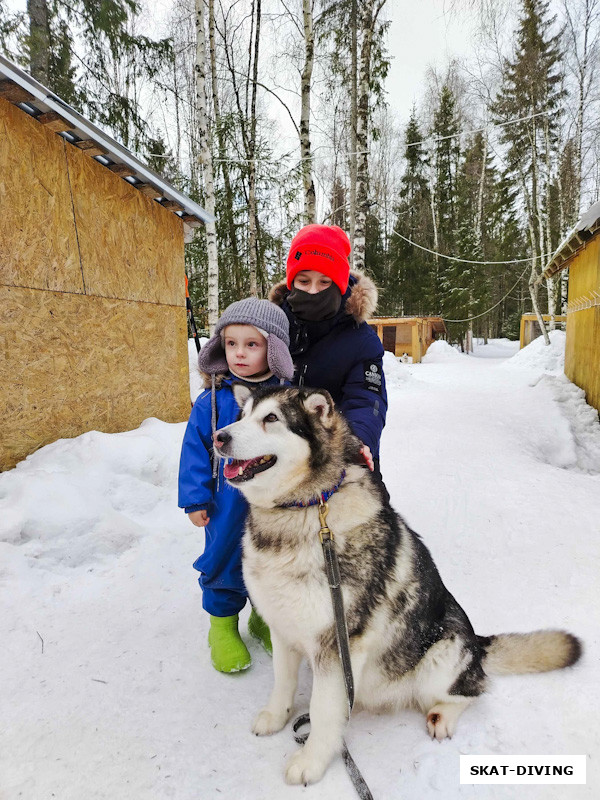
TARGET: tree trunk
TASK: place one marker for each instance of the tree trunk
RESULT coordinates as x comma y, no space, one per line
436,244
39,40
362,138
353,125
228,207
551,284
536,219
552,288
564,290
205,158
310,211
533,285
480,196
252,209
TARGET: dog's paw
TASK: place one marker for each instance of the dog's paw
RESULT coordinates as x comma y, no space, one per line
267,722
302,768
439,725
442,719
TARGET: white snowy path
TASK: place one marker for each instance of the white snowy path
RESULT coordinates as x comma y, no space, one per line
496,465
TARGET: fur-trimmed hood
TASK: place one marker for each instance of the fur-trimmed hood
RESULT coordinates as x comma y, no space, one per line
360,304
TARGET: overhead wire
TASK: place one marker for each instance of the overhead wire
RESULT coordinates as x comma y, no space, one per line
467,260
484,313
477,130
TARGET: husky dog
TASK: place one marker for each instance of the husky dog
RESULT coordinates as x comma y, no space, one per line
410,641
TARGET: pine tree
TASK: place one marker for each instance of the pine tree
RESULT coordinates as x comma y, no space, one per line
103,82
358,59
446,155
532,92
465,283
407,291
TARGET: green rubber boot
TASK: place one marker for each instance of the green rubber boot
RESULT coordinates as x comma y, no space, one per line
259,629
228,652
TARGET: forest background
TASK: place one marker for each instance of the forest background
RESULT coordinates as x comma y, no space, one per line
275,113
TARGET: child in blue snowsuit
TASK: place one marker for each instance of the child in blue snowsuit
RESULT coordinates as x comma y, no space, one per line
250,345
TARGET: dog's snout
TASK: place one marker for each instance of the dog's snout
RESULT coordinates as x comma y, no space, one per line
221,437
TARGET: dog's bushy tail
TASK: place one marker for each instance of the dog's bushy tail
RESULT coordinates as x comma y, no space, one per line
539,651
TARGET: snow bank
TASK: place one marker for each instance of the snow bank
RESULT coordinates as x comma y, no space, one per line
77,501
396,373
441,352
540,357
581,418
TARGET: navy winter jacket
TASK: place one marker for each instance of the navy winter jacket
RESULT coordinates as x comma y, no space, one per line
345,356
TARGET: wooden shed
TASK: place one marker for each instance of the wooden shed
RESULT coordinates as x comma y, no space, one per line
530,327
408,335
580,252
92,296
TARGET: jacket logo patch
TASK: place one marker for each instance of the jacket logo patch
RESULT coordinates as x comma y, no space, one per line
373,377
298,255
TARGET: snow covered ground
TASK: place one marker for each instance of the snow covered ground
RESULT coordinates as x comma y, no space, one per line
107,687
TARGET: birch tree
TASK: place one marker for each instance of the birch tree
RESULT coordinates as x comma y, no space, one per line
310,210
252,207
369,13
582,31
354,17
532,93
223,161
205,159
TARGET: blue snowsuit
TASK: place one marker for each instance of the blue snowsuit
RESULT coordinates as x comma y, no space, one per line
220,565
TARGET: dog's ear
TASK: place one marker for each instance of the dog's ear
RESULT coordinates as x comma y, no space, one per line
320,403
241,392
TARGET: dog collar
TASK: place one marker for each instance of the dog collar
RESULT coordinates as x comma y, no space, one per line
321,498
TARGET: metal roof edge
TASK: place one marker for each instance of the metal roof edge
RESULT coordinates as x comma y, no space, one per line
573,243
91,131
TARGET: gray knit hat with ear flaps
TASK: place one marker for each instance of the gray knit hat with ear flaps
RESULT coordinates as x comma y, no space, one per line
262,314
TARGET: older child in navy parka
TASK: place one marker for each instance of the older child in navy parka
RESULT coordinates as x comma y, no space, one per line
332,345
250,345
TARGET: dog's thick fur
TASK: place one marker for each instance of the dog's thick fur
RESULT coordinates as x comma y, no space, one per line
410,641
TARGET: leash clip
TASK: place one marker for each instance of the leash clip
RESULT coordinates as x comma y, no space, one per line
324,532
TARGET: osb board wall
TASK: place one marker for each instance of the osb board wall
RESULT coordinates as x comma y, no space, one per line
68,224
130,247
38,242
92,296
582,356
76,363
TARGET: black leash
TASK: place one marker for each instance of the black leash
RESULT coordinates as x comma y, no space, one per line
190,315
341,632
332,568
357,779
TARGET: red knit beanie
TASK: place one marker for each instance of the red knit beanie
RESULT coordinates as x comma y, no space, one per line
322,248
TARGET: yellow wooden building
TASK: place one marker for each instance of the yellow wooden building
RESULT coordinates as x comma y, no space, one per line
530,327
93,322
408,335
580,253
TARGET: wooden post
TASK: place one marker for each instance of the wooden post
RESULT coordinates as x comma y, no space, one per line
522,333
416,344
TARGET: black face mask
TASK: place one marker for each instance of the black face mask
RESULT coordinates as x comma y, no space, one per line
315,307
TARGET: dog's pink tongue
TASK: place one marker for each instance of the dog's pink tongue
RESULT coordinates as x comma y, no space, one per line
232,470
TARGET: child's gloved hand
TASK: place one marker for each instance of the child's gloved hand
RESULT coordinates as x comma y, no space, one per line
365,452
199,518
